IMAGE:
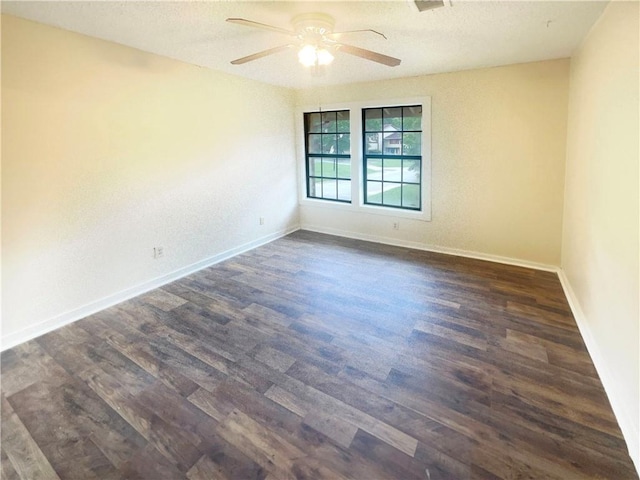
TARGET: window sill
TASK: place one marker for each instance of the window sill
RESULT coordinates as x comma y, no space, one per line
422,216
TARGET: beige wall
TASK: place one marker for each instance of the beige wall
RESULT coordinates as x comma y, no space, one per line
498,151
108,151
601,216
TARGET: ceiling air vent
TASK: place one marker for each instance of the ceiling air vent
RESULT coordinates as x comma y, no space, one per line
424,5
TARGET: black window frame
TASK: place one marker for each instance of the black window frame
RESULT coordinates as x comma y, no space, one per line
382,156
335,156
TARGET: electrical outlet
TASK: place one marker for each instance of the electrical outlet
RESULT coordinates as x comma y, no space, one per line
396,225
261,220
158,252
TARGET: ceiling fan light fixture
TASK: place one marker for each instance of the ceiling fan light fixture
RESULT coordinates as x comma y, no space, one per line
310,55
307,55
324,56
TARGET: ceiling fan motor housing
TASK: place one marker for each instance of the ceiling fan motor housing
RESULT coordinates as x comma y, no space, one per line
309,24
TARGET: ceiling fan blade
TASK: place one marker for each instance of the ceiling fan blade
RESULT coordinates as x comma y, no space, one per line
369,55
264,53
339,34
263,26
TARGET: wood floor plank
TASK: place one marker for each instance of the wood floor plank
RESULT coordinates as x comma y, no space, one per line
333,427
149,464
121,401
25,456
533,351
179,413
7,470
322,358
206,402
163,299
396,464
267,315
437,464
226,461
311,468
274,358
206,469
288,400
25,365
263,446
81,456
86,356
475,339
178,445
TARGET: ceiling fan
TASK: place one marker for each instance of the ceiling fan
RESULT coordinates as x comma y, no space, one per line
315,40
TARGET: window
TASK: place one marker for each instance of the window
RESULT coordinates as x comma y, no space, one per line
328,155
392,156
385,170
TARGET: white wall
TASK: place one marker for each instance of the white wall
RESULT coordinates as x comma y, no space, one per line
601,216
498,153
108,151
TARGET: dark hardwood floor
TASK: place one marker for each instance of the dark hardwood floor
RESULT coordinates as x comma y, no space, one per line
323,358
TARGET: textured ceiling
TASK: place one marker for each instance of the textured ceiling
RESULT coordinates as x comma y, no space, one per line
459,36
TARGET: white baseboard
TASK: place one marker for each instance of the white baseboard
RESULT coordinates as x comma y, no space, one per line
630,430
29,333
431,248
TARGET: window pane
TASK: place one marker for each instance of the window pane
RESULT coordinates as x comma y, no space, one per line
412,118
391,195
344,144
315,144
393,117
328,122
374,169
411,171
314,122
411,143
329,189
392,170
411,196
315,187
344,167
373,120
344,190
315,167
329,167
374,190
374,143
343,121
392,141
329,144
